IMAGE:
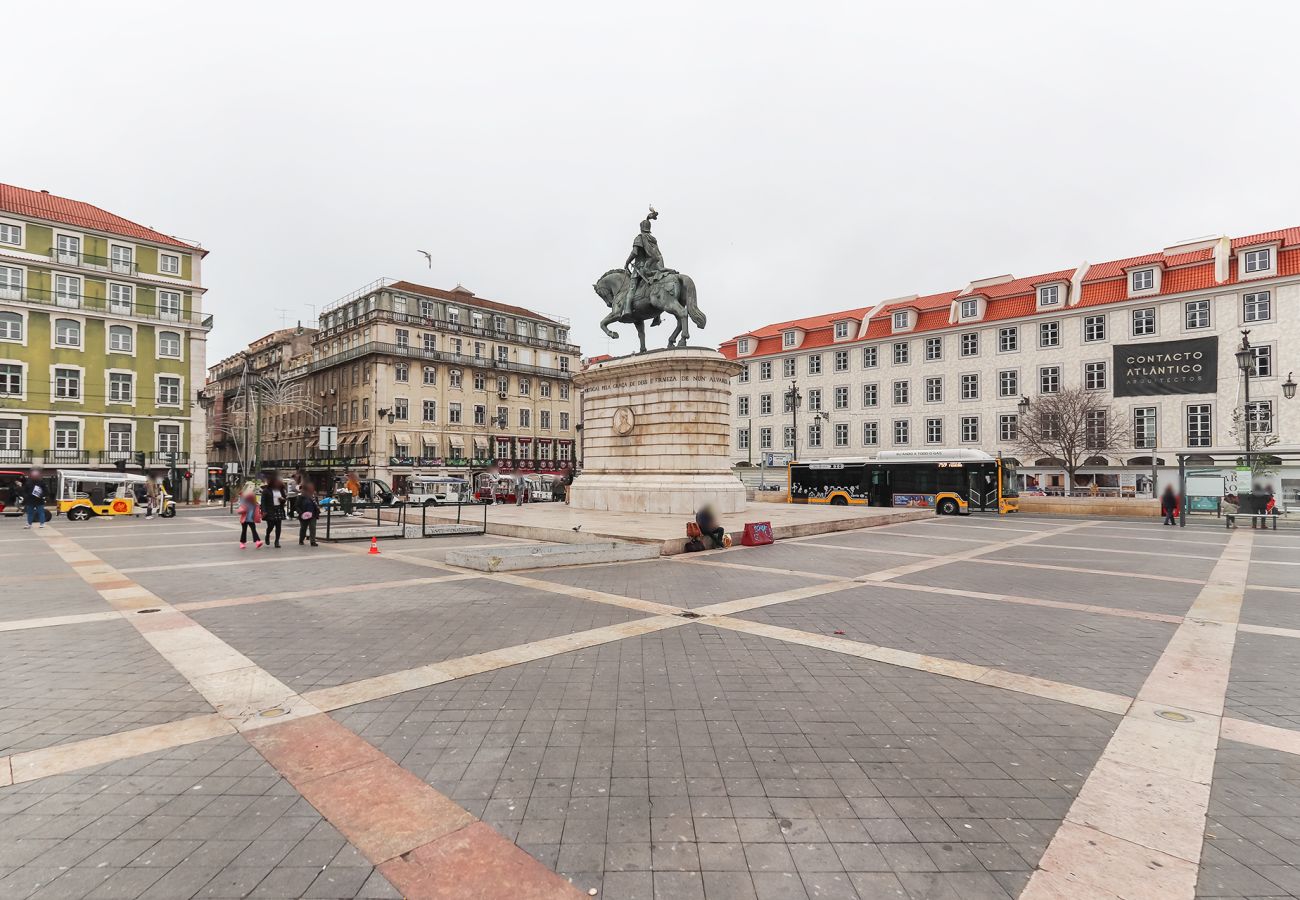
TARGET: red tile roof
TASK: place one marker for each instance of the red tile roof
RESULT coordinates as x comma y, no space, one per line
468,298
42,205
1102,283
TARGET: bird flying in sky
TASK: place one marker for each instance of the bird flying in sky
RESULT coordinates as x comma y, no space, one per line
428,257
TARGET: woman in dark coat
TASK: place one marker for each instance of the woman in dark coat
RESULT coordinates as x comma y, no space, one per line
274,498
1169,504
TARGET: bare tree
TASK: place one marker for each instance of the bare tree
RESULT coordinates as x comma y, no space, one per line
1262,437
1071,425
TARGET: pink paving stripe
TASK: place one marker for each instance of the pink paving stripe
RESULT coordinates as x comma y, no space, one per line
423,842
475,863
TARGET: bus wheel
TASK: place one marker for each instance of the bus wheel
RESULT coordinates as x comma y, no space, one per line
947,507
839,501
78,514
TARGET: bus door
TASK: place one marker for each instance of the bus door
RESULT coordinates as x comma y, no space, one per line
983,493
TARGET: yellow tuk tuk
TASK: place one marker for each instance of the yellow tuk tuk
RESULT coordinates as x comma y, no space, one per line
86,494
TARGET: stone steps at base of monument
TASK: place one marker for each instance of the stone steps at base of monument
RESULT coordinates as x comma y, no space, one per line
549,556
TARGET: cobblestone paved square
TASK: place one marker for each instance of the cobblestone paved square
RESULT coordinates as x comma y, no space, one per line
955,708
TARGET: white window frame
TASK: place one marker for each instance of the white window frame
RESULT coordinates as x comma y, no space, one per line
788,339
56,421
969,380
80,399
1049,295
1252,299
164,269
903,428
1153,321
969,429
64,298
934,431
1202,305
1052,328
841,330
901,353
971,338
158,391
54,333
60,254
1008,428
742,345
1012,332
934,389
21,340
1003,390
116,266
1143,281
871,434
109,382
900,320
1199,409
1251,261
22,379
17,226
1090,324
108,337
968,308
116,306
934,344
158,342
1139,423
1042,371
158,427
9,291
168,314
871,357
1090,369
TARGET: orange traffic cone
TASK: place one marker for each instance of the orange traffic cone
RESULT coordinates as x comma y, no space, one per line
374,545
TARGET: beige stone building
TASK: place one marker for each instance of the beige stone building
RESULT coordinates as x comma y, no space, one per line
269,357
420,380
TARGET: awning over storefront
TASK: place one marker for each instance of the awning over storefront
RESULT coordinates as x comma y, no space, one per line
401,438
524,440
431,443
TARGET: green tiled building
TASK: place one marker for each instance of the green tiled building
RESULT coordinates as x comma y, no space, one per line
102,339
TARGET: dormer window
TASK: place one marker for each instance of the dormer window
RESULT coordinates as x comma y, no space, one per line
841,330
1142,280
1258,260
742,345
788,339
969,309
1049,295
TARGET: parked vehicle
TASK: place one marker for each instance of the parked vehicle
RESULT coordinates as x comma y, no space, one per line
541,488
490,487
85,494
373,490
11,481
432,490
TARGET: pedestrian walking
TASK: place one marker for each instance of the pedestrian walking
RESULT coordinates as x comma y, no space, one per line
274,498
34,499
308,513
150,498
1169,504
250,513
292,492
353,487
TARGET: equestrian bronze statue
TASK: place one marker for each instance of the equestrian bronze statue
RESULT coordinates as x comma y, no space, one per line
645,289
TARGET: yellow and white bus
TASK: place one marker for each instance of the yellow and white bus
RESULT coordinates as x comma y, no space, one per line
951,482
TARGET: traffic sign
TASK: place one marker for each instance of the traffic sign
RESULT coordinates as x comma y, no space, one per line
329,437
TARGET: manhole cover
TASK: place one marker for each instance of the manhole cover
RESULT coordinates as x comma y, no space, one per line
690,615
141,612
273,712
1174,716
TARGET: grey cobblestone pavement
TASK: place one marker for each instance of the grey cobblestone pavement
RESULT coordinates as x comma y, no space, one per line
752,756
80,681
1106,653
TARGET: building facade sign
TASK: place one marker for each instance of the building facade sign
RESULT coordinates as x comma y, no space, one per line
1167,367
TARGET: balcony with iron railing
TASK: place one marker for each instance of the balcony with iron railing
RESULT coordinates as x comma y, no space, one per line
66,457
134,309
15,457
418,353
450,327
94,263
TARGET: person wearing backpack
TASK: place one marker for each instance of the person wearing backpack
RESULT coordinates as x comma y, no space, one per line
250,513
308,513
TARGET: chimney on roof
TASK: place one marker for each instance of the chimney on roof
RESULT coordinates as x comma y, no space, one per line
44,191
1222,253
461,289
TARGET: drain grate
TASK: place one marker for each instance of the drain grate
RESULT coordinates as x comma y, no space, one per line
1174,716
141,612
690,615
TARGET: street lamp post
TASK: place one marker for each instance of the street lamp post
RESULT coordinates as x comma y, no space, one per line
793,398
1246,363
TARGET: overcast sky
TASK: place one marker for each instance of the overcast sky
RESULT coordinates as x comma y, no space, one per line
804,157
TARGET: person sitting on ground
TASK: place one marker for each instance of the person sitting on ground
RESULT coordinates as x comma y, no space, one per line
709,526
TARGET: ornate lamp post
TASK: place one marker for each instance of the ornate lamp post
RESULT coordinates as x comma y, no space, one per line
792,400
1246,363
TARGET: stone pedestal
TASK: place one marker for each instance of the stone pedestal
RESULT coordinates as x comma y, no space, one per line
657,434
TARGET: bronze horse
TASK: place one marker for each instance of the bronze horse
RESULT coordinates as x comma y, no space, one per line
674,294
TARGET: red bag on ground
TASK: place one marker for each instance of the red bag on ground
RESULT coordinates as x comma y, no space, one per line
756,534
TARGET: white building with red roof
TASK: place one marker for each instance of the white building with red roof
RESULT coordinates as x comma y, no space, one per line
951,369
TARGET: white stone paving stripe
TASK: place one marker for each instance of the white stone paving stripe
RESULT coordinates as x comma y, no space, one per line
380,686
1269,629
63,758
53,621
1149,792
1287,740
986,675
962,555
1080,570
